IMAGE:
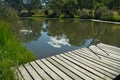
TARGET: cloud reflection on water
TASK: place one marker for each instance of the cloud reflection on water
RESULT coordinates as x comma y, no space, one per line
58,41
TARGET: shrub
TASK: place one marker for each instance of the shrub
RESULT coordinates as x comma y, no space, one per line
101,12
76,16
26,14
107,15
8,14
119,12
46,12
85,14
116,16
52,14
63,16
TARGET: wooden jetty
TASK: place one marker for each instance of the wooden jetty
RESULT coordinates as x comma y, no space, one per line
98,62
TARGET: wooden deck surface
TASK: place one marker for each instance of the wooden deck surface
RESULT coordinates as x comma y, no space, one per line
98,62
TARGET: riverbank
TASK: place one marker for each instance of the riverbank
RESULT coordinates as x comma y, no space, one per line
95,20
107,15
12,53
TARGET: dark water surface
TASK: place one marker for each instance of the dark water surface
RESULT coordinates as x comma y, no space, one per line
47,37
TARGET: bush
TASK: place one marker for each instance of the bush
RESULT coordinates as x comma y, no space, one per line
46,12
99,11
26,14
63,16
85,14
8,14
52,14
76,16
107,15
103,13
119,12
116,16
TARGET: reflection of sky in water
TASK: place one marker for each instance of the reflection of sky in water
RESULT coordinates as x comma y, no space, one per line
46,46
55,42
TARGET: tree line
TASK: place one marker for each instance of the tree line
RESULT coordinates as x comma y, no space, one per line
99,9
67,8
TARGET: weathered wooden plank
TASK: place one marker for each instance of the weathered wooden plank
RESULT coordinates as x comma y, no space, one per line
18,74
72,68
48,70
32,72
115,54
110,49
92,71
85,72
98,51
93,65
103,58
114,60
56,70
97,61
40,71
64,69
24,73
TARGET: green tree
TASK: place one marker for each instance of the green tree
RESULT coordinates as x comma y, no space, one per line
16,4
7,13
33,4
87,4
114,4
71,6
56,6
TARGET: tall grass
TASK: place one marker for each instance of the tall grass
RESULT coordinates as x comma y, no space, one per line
11,52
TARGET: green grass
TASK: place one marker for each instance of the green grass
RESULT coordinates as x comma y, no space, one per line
12,53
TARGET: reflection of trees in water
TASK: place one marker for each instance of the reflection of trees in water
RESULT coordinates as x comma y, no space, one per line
35,26
76,32
79,32
109,33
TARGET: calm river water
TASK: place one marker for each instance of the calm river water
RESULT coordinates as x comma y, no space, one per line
47,37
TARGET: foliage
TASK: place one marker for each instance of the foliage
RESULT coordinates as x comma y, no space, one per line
16,4
119,11
32,5
116,16
64,16
102,12
51,13
26,14
11,52
99,9
46,12
114,4
7,13
107,15
66,7
85,14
